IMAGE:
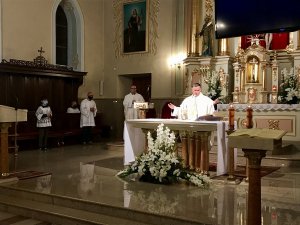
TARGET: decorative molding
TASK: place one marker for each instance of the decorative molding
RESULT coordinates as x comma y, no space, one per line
36,64
152,26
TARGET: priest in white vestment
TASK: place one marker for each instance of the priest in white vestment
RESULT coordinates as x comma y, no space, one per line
194,106
129,111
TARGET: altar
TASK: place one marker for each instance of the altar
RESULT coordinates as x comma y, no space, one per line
135,139
272,116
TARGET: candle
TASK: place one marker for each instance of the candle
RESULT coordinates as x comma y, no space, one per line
231,117
249,117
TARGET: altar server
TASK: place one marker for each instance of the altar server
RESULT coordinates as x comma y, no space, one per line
129,111
88,110
43,115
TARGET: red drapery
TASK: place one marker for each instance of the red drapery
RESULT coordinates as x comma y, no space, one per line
279,41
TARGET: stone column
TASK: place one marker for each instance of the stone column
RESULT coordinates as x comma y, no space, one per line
198,152
192,151
193,27
223,47
230,163
254,157
185,154
298,40
204,152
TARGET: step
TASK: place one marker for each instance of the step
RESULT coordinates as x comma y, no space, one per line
8,218
66,210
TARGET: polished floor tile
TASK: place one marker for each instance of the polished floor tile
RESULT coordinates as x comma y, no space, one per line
88,172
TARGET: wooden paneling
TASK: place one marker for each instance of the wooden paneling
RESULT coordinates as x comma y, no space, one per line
23,87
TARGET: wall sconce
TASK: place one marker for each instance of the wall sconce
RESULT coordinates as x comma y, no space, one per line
178,65
177,61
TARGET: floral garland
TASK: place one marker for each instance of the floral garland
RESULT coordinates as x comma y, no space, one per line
160,163
214,86
289,87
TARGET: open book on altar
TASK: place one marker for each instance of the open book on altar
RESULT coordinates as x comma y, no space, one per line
259,133
209,118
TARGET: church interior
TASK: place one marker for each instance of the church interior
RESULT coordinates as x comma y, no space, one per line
64,49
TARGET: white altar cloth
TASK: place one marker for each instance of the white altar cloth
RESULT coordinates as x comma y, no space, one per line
134,138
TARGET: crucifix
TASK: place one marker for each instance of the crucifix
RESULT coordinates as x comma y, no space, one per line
253,75
41,51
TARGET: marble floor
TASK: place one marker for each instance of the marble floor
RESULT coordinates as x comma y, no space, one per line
87,172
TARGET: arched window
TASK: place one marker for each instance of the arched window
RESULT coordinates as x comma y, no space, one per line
68,34
61,37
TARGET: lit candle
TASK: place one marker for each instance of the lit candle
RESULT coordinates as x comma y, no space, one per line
249,117
231,117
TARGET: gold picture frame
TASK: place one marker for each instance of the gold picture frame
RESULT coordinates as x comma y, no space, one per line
141,39
135,27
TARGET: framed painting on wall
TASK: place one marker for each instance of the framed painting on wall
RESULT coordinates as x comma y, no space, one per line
135,27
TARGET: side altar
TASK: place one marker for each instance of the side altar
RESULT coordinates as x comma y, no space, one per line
272,116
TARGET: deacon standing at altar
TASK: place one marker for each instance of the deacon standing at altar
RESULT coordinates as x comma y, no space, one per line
129,111
193,106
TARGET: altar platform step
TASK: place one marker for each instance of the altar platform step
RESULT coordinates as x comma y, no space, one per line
61,210
287,156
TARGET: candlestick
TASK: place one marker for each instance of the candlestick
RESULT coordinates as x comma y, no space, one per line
231,111
249,117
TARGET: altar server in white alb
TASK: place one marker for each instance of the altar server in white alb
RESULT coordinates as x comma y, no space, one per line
129,111
88,110
193,106
43,123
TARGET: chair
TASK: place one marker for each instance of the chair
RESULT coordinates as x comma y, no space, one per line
166,111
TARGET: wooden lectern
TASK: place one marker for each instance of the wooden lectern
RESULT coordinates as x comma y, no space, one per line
255,143
8,115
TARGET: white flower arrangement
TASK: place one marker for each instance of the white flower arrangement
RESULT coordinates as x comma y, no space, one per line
214,85
289,88
160,163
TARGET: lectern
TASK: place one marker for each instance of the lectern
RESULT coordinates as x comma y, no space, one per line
255,143
8,115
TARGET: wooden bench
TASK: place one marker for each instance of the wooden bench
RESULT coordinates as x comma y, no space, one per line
65,130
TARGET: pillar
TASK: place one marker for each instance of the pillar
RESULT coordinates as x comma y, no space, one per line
192,151
193,27
223,47
254,157
185,155
204,152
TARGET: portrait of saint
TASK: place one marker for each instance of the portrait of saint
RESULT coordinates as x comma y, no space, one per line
135,27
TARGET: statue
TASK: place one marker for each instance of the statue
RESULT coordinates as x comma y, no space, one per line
268,39
207,33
